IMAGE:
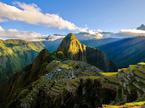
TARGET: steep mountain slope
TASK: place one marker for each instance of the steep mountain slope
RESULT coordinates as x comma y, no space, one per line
15,54
73,49
74,84
125,52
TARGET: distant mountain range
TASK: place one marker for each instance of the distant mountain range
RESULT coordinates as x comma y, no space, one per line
80,36
83,36
141,27
53,41
126,51
92,40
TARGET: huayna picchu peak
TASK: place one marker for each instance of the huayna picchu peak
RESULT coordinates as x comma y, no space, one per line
72,48
70,36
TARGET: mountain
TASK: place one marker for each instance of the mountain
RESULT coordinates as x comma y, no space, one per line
126,51
16,54
141,27
73,49
53,41
90,39
53,45
52,83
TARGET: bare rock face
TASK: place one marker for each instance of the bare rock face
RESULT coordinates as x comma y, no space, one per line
73,49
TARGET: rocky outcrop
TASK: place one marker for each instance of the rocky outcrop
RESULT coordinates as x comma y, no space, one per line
73,49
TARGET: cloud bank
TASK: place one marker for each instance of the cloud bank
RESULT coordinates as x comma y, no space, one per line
32,14
16,34
133,32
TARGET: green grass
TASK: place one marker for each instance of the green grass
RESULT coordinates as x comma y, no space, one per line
142,63
142,103
66,66
109,73
126,105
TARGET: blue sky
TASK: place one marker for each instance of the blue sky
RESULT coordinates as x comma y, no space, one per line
107,15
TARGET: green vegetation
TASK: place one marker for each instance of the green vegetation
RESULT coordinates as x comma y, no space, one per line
126,105
16,54
117,89
109,73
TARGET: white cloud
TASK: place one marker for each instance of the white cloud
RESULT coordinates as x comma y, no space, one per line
32,14
90,31
133,32
16,34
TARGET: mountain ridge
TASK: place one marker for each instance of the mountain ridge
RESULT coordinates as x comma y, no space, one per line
126,51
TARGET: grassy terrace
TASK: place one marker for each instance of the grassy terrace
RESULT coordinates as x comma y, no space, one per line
126,105
110,74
